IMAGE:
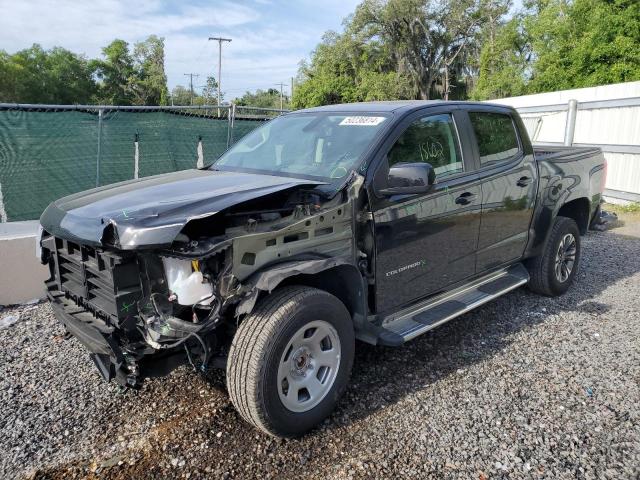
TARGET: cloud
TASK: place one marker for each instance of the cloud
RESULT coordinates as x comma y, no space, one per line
269,37
248,62
93,24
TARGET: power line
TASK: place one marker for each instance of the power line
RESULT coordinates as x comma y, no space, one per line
191,75
220,40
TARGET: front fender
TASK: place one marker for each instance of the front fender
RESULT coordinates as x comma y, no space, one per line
336,275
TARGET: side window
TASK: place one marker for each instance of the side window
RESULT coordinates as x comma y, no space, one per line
496,136
431,140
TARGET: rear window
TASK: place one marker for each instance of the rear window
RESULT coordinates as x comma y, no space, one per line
496,136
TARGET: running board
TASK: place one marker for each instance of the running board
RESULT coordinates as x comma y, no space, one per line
409,323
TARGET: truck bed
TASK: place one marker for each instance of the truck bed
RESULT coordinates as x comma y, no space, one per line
551,153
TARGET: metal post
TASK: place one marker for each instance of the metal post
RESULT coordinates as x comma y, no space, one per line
3,212
100,115
570,126
200,152
136,157
231,116
219,74
229,125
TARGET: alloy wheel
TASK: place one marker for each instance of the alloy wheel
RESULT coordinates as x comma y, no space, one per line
565,257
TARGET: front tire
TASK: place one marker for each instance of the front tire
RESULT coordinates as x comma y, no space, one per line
290,360
553,272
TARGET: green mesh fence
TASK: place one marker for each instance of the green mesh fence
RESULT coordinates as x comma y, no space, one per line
47,153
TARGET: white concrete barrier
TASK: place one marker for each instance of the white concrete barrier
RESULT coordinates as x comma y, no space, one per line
21,274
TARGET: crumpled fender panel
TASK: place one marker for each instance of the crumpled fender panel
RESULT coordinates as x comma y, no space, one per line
308,246
328,233
267,280
152,211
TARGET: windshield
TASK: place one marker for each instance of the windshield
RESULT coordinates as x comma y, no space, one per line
325,145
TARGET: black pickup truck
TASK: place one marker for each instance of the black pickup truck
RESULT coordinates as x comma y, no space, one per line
373,221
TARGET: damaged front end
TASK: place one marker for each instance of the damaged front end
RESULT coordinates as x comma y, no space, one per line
120,306
142,312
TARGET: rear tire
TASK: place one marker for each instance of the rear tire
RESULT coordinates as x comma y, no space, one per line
290,360
553,271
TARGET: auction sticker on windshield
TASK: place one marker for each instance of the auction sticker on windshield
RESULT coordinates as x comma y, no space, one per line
362,121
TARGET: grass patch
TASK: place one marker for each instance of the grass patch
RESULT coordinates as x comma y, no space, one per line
630,208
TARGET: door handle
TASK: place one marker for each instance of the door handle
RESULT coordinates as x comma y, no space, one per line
523,182
465,198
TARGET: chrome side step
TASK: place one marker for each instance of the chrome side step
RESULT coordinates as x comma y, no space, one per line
409,323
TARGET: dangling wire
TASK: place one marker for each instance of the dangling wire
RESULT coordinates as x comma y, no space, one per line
205,353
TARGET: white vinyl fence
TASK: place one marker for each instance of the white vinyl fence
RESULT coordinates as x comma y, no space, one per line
607,117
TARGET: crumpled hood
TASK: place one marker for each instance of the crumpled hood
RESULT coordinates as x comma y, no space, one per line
151,212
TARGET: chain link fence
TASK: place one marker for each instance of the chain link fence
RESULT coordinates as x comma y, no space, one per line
49,151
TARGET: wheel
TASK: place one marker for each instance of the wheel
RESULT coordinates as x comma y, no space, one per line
553,271
290,360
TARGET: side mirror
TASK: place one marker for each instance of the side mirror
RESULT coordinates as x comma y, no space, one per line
409,178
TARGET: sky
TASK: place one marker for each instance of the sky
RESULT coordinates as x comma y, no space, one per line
269,37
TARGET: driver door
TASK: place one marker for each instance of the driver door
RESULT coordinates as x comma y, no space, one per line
426,242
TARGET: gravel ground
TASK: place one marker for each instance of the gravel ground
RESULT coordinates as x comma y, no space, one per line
525,387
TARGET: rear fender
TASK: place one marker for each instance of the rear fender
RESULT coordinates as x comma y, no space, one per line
560,193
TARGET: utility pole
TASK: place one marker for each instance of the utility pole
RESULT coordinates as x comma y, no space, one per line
191,75
281,97
291,92
220,40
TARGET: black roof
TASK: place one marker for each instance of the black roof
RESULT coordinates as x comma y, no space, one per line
391,106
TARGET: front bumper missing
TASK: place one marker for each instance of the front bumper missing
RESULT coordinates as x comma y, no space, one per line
117,357
116,354
96,295
94,334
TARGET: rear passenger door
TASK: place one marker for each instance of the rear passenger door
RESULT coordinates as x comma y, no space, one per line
507,171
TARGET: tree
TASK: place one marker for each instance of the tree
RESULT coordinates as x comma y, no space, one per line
345,69
427,39
55,76
561,44
463,23
7,78
395,49
583,43
181,95
209,93
269,98
149,81
114,73
136,78
70,77
504,61
403,26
